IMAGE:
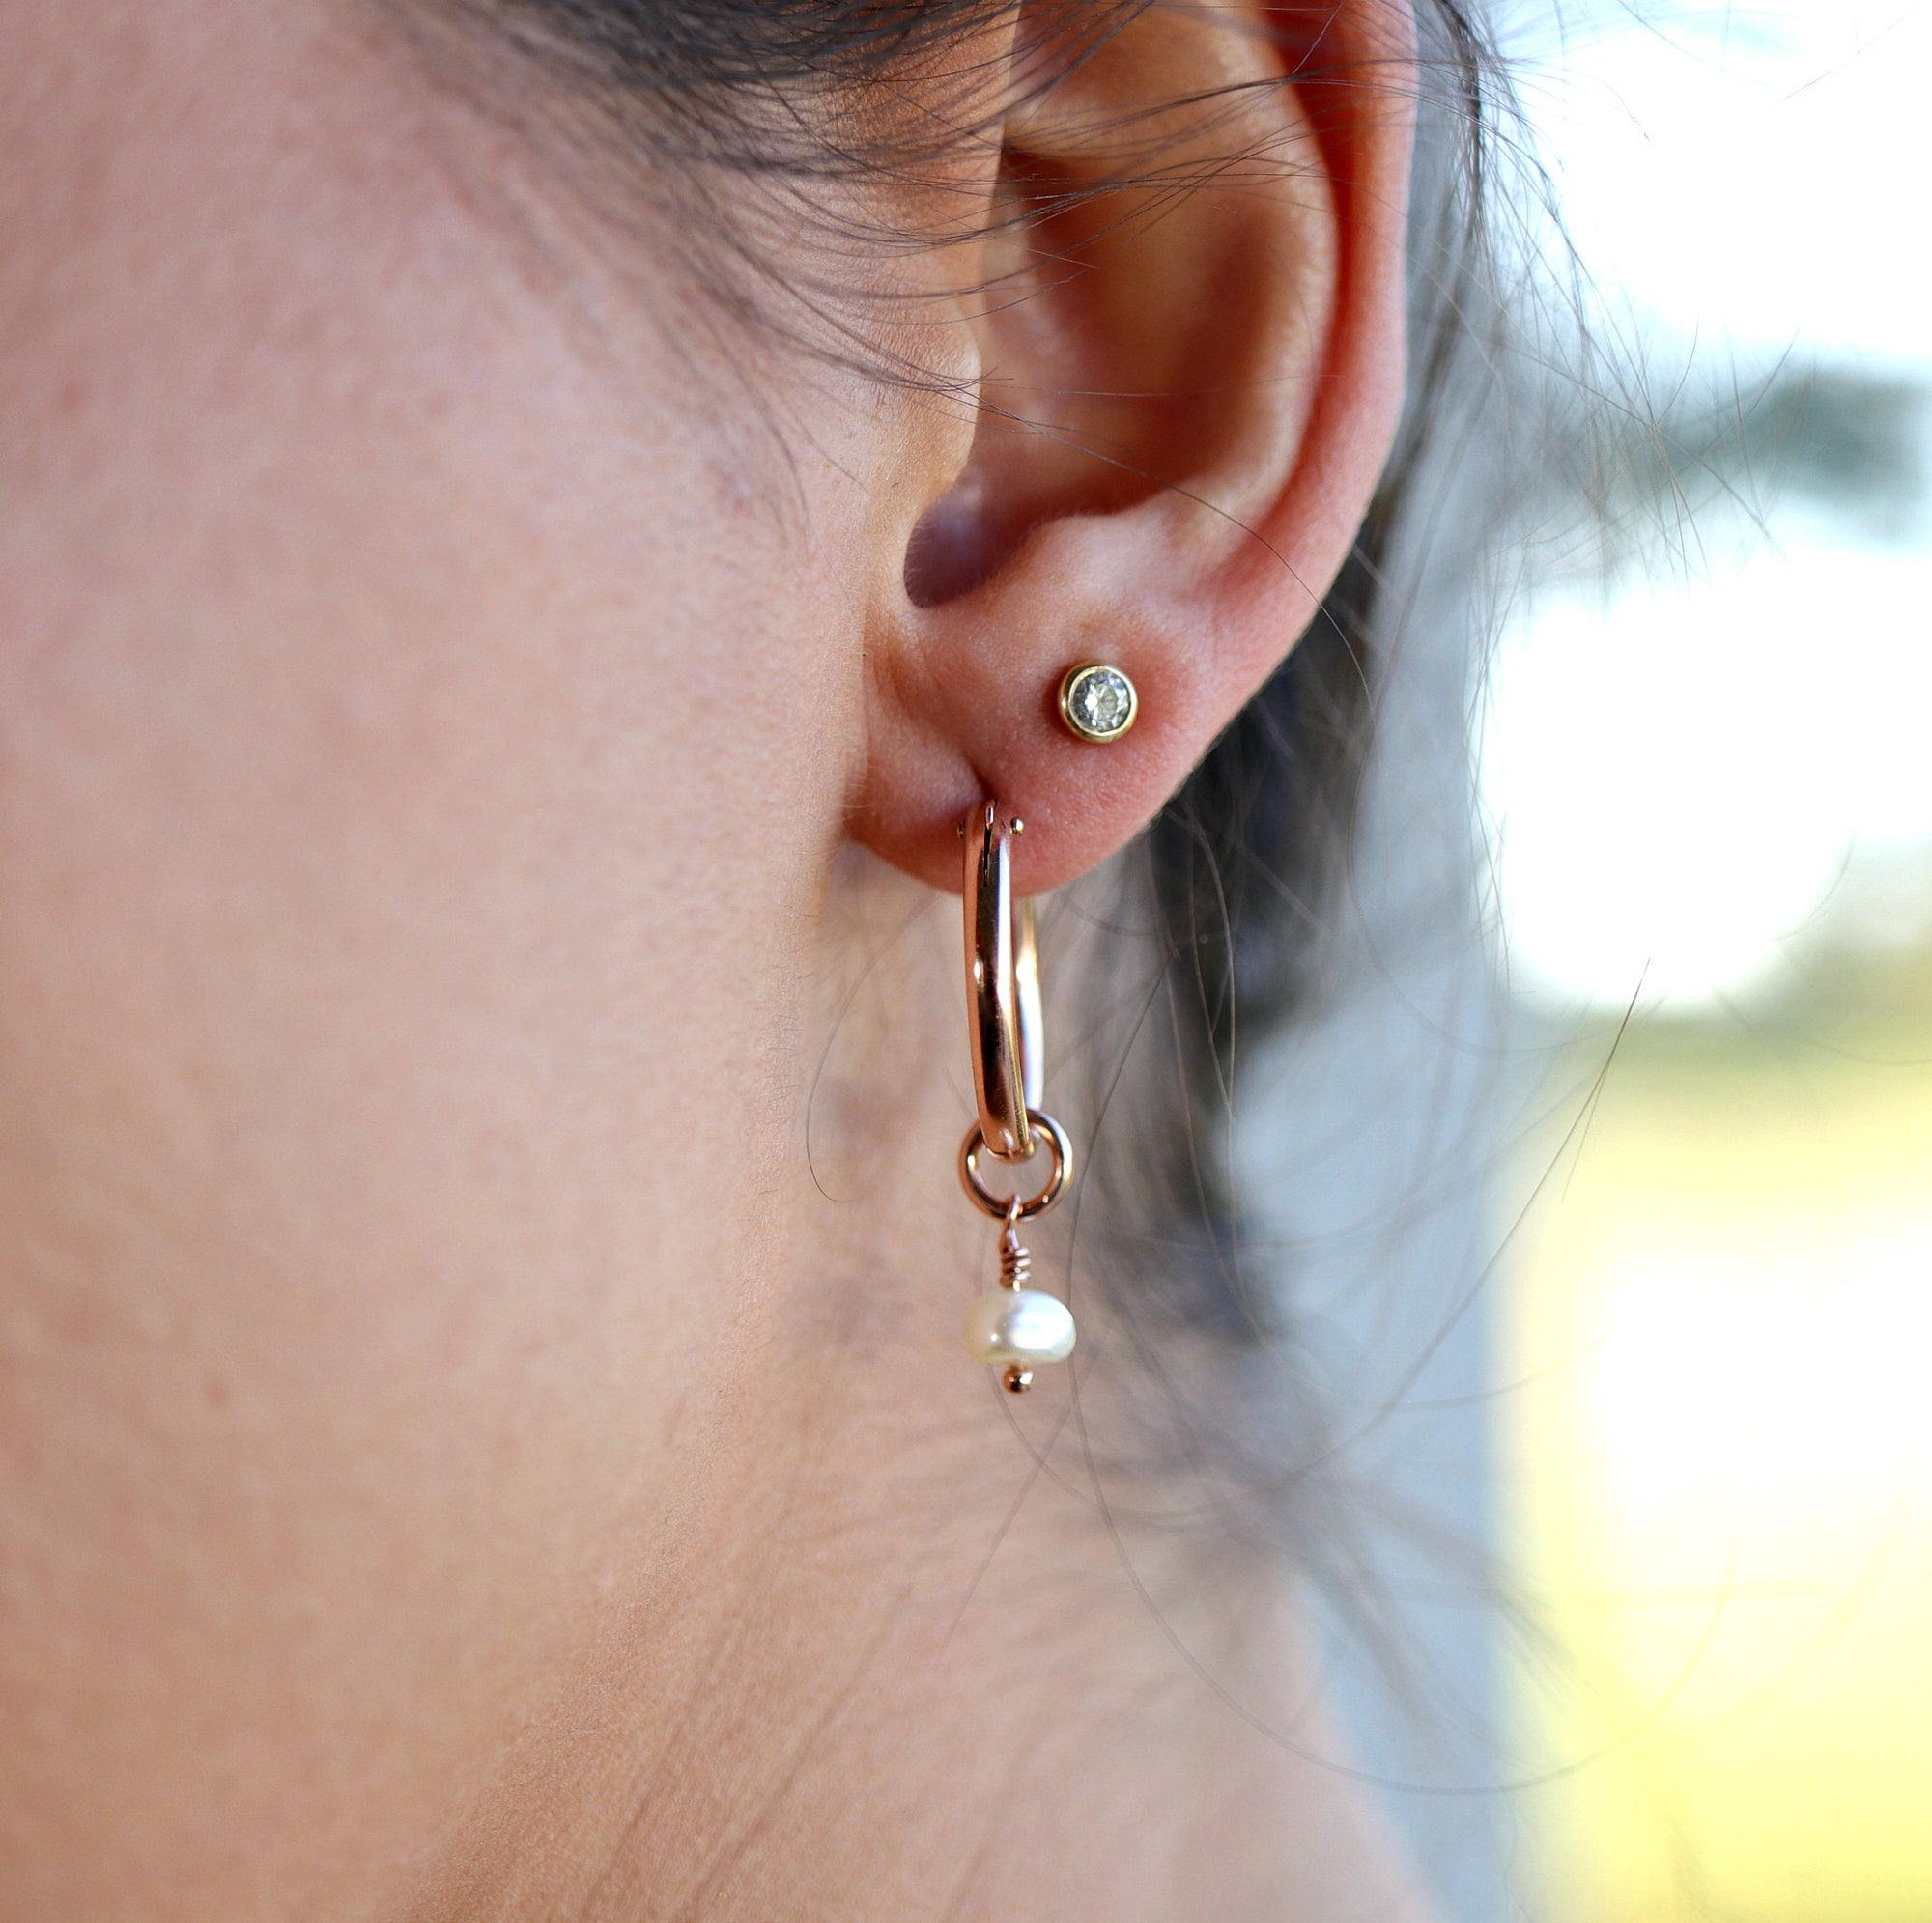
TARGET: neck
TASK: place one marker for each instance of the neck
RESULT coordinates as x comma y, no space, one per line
885,1643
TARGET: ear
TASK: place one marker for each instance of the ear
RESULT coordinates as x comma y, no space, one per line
1186,312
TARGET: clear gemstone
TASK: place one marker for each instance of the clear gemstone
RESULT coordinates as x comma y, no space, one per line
1101,702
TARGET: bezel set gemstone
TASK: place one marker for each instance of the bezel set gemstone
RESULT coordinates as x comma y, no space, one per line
1098,701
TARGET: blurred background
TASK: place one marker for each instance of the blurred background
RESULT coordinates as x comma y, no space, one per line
1642,1436
1706,790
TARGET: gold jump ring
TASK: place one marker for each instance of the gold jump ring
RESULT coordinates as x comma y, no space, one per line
1002,1207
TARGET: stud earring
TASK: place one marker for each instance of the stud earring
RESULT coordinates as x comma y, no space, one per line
1014,1327
1098,701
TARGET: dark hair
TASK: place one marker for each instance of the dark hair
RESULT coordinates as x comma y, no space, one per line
1232,877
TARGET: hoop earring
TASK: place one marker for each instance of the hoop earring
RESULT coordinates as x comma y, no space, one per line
1014,1327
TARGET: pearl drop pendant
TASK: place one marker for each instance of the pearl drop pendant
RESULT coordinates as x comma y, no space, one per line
1014,1327
1017,1328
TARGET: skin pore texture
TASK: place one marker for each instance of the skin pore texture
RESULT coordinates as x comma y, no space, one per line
473,777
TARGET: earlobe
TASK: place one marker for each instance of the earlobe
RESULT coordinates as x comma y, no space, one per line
1188,317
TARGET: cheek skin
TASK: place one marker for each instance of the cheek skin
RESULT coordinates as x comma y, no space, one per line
382,832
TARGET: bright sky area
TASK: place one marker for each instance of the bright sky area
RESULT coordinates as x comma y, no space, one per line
1697,777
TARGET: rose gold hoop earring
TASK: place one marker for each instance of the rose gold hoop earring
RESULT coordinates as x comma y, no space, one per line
1014,1328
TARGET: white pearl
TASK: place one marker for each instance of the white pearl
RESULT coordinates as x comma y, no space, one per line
1019,1325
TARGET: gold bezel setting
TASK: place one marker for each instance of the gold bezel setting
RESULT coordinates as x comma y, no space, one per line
1097,681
